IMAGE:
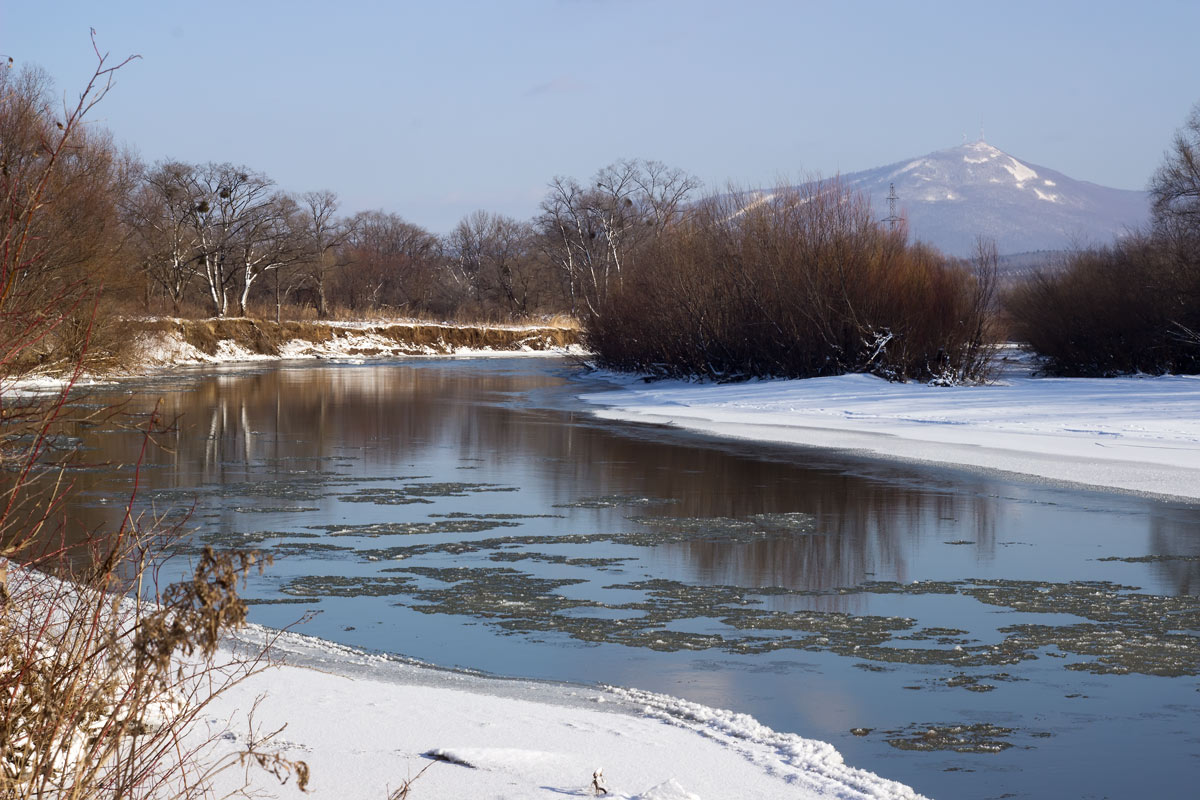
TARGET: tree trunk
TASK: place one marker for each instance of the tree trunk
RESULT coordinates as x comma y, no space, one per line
322,300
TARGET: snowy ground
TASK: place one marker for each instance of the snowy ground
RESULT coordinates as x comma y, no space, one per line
364,724
1137,434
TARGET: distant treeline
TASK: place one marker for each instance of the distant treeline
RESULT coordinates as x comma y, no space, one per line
794,282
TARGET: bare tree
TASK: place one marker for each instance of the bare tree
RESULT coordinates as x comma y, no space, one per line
158,214
391,264
60,234
590,233
1175,187
237,227
664,193
493,257
272,240
322,236
225,204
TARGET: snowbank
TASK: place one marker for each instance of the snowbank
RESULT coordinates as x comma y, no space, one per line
1138,434
364,723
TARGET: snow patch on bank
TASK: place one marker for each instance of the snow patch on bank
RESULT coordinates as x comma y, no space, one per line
365,723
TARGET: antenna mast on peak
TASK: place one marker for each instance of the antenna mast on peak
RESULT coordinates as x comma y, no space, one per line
892,218
982,138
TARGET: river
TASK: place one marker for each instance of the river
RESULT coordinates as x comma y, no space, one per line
971,635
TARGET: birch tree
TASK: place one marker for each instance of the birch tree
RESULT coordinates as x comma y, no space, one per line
223,202
236,226
271,239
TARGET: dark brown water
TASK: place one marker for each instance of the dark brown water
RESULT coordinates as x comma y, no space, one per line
984,637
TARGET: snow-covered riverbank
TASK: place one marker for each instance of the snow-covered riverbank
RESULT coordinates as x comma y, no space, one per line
364,724
367,723
171,342
1136,434
163,343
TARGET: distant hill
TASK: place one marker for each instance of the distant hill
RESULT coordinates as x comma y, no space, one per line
952,196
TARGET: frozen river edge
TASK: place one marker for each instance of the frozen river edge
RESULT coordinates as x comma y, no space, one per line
1136,434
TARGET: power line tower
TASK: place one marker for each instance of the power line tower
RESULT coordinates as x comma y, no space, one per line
892,217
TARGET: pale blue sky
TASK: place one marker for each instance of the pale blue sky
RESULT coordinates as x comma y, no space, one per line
433,110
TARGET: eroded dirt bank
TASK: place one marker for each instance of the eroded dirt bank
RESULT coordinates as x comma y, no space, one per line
174,341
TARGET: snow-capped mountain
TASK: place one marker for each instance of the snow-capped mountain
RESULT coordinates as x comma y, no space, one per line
953,196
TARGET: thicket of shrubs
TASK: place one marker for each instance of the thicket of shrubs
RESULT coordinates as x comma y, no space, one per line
798,283
1128,308
1133,306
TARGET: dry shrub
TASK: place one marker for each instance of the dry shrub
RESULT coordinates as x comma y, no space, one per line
1133,306
98,693
800,283
1128,308
102,677
99,696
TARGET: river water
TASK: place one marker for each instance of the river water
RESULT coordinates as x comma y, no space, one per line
970,635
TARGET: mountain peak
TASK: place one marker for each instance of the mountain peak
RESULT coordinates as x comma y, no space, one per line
950,197
979,149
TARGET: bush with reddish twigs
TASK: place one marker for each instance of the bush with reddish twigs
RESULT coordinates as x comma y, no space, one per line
800,283
1133,306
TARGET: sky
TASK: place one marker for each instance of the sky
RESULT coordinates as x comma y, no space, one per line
435,109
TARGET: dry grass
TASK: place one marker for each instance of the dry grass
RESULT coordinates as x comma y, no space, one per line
402,791
564,321
99,697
